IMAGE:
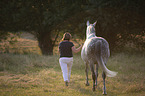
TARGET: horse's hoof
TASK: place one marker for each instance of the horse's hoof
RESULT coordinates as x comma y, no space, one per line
87,84
104,93
94,89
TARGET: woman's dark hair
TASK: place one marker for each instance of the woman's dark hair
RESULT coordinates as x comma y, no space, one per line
66,36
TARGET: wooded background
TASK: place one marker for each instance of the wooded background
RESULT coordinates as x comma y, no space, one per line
119,21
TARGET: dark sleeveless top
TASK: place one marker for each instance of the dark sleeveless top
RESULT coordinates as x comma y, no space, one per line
65,49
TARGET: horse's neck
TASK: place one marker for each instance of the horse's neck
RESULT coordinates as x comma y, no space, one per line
91,35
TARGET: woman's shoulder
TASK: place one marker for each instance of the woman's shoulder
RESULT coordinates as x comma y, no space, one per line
70,42
66,42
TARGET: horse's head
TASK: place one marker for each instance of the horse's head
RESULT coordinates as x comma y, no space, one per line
90,28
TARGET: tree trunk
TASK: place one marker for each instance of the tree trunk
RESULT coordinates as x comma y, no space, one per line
45,43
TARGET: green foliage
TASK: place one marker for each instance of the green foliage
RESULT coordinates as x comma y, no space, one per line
121,19
3,35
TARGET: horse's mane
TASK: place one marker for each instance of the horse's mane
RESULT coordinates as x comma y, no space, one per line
90,29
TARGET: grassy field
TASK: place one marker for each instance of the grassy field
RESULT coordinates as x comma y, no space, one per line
25,74
34,75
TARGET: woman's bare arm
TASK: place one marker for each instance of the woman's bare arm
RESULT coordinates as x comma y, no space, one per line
76,50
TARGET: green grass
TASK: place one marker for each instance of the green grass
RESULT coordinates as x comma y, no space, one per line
34,75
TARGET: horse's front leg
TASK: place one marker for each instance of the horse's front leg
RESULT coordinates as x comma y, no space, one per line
104,88
86,70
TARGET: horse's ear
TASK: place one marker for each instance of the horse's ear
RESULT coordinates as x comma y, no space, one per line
88,23
94,23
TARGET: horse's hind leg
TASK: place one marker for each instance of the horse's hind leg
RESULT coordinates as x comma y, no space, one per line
96,73
93,75
104,88
86,70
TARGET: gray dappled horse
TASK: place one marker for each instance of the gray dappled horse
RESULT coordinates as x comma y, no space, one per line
96,51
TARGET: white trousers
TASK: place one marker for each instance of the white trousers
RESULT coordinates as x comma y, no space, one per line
66,65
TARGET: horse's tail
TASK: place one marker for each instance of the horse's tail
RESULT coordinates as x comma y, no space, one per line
101,63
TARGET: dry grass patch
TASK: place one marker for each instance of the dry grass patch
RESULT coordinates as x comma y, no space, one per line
26,75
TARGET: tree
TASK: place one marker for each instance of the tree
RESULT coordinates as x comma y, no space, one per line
35,16
119,22
40,17
121,19
124,22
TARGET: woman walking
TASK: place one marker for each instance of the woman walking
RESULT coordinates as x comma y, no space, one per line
66,56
